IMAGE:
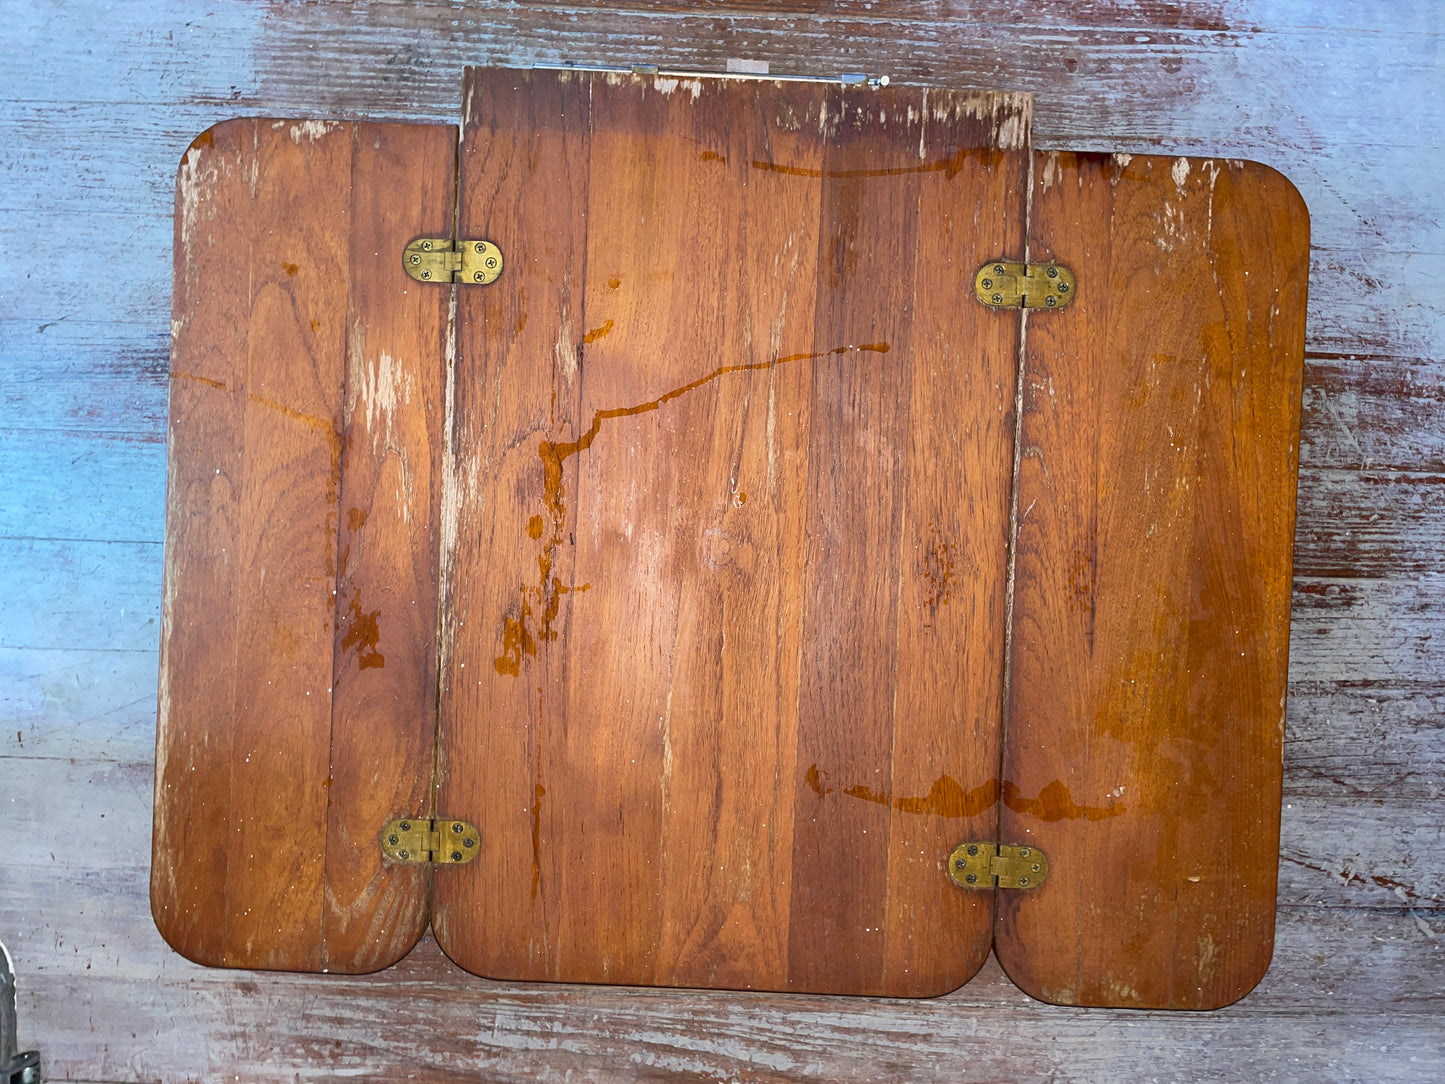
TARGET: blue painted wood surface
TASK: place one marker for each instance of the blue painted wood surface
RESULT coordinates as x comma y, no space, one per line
97,102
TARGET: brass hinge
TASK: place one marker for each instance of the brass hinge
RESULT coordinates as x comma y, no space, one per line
1006,285
444,842
435,259
991,865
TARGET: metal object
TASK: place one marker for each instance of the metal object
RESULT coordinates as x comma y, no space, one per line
1008,285
16,1066
990,865
440,842
434,259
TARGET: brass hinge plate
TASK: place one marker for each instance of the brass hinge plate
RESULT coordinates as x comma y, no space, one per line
1006,285
441,842
990,865
436,259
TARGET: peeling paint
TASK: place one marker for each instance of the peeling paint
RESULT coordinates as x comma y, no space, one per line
312,130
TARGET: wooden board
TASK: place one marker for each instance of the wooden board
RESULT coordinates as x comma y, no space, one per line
1150,640
725,534
298,631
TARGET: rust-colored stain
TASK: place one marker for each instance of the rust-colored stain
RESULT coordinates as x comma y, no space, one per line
938,570
356,518
363,634
947,798
1054,803
315,325
521,323
598,332
534,527
712,156
948,166
538,606
207,381
290,268
614,282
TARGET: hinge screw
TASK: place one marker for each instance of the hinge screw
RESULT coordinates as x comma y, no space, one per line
477,276
1024,852
406,826
456,856
1053,272
1063,287
971,878
393,840
426,246
998,269
959,863
402,855
457,828
1023,882
998,299
481,246
415,259
469,842
988,284
972,849
1051,301
426,273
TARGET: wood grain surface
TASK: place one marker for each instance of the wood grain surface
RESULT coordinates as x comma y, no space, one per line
305,417
97,104
1155,529
723,625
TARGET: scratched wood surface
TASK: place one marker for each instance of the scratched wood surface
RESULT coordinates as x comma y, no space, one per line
1150,639
301,544
724,619
1341,97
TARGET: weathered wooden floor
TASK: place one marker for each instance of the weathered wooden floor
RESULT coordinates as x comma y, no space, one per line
97,102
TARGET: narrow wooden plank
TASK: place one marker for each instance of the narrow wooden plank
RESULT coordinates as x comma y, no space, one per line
645,606
1306,1016
383,721
907,494
514,384
1151,614
255,865
204,474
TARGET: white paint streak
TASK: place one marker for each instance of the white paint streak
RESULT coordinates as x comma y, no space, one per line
1180,171
1051,165
312,130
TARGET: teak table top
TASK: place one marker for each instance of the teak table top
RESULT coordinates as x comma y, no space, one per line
726,561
